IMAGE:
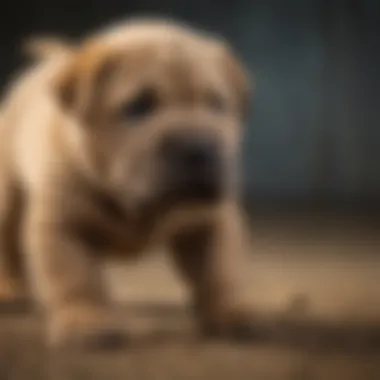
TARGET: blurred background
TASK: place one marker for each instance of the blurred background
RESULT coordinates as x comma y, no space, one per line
313,133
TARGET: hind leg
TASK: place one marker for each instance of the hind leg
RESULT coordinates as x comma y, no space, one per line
12,275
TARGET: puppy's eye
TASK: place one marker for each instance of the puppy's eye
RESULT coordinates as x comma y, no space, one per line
142,105
214,101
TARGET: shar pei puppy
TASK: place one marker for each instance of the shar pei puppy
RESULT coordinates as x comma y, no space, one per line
127,139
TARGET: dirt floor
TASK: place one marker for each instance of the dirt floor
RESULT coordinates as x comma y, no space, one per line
312,280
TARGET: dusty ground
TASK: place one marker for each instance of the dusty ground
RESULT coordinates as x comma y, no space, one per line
313,282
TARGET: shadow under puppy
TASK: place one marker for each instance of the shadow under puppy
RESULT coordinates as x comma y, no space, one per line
123,141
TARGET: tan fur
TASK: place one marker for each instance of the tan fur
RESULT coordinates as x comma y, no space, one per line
76,175
41,48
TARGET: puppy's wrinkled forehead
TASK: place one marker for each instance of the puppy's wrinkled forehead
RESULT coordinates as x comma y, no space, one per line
174,60
178,61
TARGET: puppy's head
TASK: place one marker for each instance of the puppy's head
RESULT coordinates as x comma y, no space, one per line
157,109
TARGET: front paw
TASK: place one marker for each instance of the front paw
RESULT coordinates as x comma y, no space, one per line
85,328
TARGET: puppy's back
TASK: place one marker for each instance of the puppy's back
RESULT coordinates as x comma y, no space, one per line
28,111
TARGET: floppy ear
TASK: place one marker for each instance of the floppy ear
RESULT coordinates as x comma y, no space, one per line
240,80
79,85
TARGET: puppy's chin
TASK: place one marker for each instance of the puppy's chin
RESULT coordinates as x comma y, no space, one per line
168,199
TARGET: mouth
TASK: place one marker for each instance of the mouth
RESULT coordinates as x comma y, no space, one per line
203,195
201,189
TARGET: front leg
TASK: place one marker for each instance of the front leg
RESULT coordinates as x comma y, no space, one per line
67,279
205,257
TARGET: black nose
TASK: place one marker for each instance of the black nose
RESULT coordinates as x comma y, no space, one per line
195,164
